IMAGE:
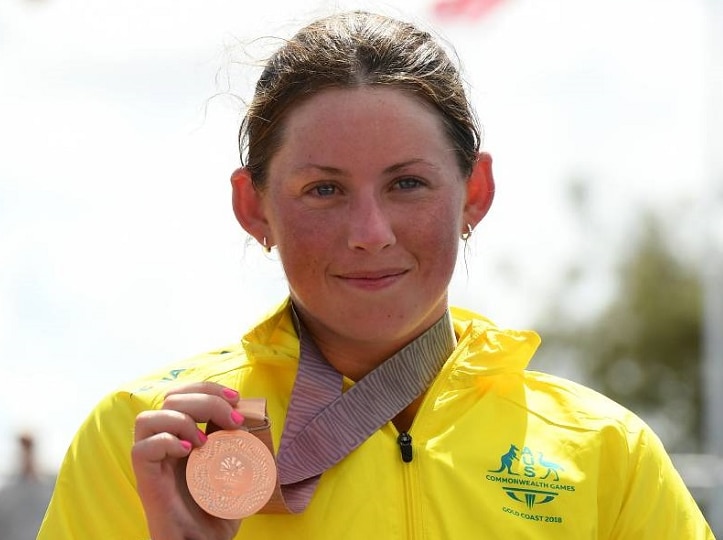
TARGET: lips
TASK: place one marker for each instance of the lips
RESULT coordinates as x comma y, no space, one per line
373,279
372,275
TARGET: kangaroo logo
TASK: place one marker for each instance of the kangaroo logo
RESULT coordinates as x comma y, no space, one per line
526,477
506,461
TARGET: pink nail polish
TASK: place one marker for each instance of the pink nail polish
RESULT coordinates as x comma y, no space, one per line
202,436
186,445
229,393
237,417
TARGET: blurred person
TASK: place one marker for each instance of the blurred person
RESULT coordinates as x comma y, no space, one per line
390,414
24,499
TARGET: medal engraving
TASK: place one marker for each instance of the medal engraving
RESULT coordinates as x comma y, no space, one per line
232,476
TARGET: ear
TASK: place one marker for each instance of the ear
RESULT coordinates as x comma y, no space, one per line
480,190
248,205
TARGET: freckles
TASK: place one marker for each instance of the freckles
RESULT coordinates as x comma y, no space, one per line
436,241
302,256
435,229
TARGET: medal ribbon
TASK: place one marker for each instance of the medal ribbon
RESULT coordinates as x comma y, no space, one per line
324,425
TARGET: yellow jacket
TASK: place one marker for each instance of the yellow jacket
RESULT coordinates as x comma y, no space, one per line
499,453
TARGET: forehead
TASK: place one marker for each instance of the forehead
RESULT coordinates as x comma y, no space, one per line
369,122
354,105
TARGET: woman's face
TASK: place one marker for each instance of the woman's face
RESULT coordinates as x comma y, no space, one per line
365,202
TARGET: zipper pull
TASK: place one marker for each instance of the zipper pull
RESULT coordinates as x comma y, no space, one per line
405,446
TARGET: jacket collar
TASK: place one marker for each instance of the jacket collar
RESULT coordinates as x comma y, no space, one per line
482,349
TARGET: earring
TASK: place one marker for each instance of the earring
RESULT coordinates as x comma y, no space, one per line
267,247
466,234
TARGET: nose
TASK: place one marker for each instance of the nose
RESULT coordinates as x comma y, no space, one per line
370,228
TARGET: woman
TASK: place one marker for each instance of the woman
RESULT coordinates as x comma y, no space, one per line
362,168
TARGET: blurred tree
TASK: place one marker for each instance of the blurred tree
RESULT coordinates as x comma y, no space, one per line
644,348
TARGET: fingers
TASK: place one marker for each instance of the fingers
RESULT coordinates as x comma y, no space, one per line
172,430
159,447
206,387
206,402
205,408
163,440
176,423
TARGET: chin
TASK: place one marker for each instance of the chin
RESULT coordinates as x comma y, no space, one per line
381,325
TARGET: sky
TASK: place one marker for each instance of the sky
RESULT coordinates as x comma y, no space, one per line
119,252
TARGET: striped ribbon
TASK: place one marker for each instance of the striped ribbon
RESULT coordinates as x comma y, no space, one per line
323,424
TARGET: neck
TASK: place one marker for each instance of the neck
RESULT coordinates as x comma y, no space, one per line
355,358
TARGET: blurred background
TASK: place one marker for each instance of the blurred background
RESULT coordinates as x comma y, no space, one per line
119,252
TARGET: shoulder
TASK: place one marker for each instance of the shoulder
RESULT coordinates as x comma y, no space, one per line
573,406
490,350
217,366
569,402
111,419
268,345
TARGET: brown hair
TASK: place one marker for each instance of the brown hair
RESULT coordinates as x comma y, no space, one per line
350,50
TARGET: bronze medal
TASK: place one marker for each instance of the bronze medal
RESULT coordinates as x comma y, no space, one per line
232,476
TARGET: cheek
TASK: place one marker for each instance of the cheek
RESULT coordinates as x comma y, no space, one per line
303,248
435,236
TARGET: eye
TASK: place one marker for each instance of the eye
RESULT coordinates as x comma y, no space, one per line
323,190
408,182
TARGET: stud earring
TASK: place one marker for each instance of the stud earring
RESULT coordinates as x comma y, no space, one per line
467,233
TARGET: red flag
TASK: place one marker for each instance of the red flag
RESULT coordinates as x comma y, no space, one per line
473,9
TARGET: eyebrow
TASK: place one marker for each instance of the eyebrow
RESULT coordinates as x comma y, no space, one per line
389,170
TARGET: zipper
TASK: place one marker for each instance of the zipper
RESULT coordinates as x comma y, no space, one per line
409,468
405,446
410,483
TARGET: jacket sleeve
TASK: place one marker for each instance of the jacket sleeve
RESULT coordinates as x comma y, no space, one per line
656,504
95,493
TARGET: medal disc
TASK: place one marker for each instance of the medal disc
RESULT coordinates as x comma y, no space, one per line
232,476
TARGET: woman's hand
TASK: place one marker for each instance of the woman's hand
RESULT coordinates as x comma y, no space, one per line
163,440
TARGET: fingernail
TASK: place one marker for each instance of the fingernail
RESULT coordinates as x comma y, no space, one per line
229,393
186,445
237,417
202,436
